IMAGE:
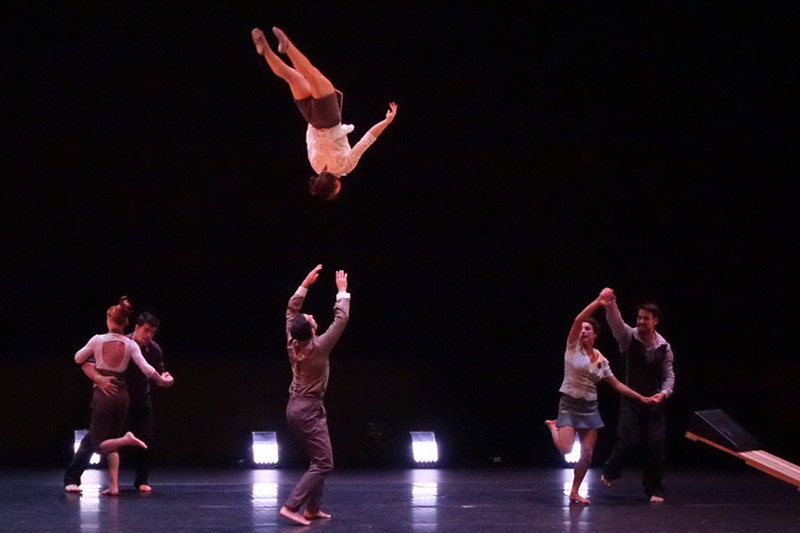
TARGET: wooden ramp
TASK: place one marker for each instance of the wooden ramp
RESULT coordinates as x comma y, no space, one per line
717,429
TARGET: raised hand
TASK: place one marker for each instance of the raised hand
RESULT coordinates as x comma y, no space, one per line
606,296
311,277
341,280
391,112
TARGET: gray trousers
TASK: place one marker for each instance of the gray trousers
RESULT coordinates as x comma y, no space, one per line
309,422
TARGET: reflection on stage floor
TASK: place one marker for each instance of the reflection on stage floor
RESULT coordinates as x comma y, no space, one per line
424,500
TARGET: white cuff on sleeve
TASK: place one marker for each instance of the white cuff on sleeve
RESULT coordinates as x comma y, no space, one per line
343,294
301,291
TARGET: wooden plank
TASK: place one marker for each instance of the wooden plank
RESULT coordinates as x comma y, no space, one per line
783,462
692,436
781,468
760,460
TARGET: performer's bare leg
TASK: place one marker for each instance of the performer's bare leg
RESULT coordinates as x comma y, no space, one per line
113,474
588,438
294,516
297,82
112,445
319,84
563,437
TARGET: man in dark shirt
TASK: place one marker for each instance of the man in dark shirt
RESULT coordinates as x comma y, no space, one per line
309,356
646,367
140,411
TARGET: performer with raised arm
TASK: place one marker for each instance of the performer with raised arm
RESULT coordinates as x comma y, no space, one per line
584,367
647,368
112,352
329,151
309,355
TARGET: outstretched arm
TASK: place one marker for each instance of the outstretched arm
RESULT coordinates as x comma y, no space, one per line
341,313
296,301
618,327
378,128
624,390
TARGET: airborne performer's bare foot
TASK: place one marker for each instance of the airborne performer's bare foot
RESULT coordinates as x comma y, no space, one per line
259,40
283,40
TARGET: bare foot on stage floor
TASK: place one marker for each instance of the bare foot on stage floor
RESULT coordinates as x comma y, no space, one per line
111,491
145,488
129,439
316,515
295,517
605,481
574,497
73,488
656,499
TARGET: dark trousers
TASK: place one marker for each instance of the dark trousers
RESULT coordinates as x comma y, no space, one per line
80,462
639,423
141,421
309,422
140,418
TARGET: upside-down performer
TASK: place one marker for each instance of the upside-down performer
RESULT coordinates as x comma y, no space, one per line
329,151
584,367
112,352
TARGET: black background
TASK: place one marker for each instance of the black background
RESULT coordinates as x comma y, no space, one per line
539,154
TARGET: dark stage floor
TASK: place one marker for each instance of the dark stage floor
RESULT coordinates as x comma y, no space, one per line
503,500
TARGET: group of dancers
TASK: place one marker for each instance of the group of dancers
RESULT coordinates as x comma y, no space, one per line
646,381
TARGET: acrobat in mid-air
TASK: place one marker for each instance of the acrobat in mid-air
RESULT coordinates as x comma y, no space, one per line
329,151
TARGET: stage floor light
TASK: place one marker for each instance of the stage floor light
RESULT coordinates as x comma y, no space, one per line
575,453
424,448
265,448
77,438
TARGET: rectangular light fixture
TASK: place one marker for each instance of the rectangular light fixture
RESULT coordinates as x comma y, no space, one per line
78,437
424,448
265,448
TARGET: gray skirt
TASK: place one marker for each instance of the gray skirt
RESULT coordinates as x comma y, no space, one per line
578,413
